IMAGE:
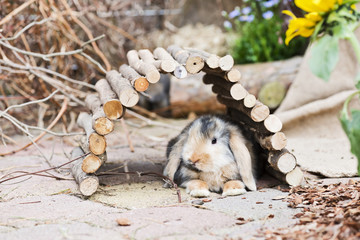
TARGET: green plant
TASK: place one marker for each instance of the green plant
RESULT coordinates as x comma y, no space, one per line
326,22
257,27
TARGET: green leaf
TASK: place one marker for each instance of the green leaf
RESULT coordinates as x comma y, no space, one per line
357,81
324,56
352,130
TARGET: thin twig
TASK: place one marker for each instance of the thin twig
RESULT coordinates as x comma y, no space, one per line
26,28
131,146
151,122
61,112
41,171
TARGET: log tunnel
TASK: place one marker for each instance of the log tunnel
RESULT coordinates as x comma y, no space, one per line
120,90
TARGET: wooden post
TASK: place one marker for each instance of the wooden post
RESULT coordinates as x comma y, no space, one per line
147,69
123,89
95,142
233,75
139,82
179,54
88,183
211,60
100,123
111,104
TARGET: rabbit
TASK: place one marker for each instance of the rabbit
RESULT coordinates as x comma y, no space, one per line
211,154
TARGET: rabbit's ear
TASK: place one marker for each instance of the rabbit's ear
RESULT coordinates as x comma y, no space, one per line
243,160
174,157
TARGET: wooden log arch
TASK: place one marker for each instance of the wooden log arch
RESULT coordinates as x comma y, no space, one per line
241,106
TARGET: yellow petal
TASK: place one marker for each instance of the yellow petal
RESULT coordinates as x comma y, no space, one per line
340,2
287,12
313,16
316,5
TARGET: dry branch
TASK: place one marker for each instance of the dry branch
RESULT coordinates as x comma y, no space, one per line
274,142
111,104
168,64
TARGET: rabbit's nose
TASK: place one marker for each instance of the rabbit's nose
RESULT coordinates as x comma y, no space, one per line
198,157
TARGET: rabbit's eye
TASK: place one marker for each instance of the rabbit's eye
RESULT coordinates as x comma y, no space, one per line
213,141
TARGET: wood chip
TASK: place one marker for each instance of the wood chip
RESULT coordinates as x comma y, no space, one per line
123,222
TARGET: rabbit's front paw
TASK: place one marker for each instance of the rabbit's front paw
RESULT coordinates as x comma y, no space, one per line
197,188
233,188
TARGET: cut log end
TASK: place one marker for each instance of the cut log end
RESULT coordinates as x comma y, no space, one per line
129,98
97,144
153,76
286,163
279,141
89,186
194,64
213,61
168,65
226,63
282,161
260,112
237,91
103,126
91,164
141,84
249,101
180,72
113,109
295,177
233,75
273,123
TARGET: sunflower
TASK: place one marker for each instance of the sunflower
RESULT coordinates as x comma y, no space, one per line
305,27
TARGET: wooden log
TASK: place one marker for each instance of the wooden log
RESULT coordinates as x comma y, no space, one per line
249,101
100,123
123,89
179,54
194,64
168,63
226,63
293,178
91,163
88,183
236,90
139,82
95,142
273,124
282,161
111,104
148,70
258,113
211,60
245,119
274,142
180,72
234,75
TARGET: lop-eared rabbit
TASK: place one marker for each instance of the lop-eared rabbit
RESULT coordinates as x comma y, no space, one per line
211,154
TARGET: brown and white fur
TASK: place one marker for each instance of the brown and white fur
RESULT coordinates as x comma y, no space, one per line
211,154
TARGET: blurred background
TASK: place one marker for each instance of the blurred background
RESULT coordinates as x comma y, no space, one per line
253,32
